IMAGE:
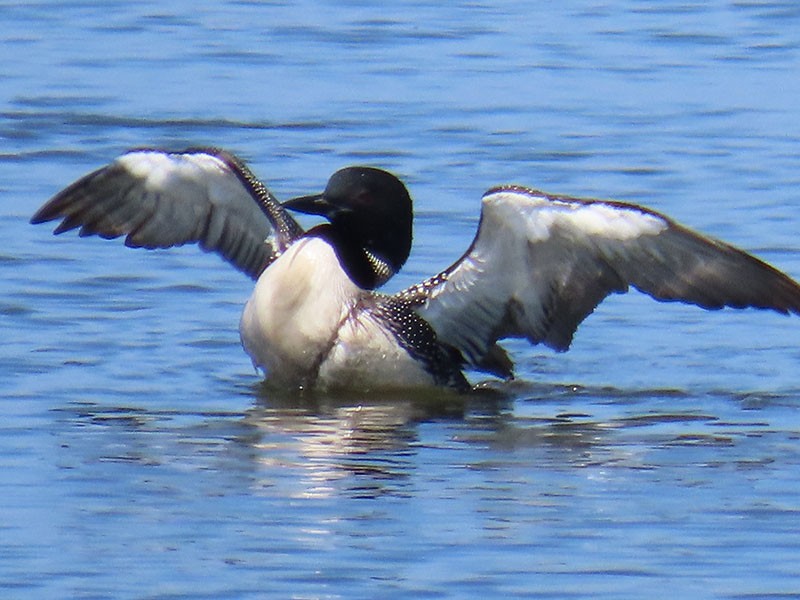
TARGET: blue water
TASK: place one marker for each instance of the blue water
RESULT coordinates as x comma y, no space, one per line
141,458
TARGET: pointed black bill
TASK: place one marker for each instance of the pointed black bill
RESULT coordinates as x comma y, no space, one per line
315,204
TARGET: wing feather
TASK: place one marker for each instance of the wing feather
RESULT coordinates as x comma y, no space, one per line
540,264
160,199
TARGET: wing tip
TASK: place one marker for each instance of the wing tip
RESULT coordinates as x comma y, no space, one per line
42,216
54,208
497,362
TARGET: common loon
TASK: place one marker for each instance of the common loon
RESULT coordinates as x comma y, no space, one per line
538,266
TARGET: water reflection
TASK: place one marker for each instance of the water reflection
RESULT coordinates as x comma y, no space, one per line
551,479
287,445
366,446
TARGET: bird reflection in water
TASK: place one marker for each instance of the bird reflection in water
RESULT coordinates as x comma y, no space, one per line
364,443
315,445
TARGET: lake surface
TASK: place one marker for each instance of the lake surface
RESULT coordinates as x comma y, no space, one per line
140,456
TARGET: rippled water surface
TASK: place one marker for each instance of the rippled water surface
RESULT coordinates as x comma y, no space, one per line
140,455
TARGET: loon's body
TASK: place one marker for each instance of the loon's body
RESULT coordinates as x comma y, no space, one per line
307,324
538,266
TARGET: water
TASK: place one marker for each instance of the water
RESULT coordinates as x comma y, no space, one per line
141,458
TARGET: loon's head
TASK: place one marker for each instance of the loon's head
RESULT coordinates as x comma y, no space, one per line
370,216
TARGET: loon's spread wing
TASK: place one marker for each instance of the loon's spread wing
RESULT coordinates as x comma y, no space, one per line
161,199
540,264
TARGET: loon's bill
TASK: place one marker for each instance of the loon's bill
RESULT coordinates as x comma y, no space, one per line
538,266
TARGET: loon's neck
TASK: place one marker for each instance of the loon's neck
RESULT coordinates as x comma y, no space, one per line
365,267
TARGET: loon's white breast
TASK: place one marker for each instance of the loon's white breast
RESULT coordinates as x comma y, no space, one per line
296,309
306,323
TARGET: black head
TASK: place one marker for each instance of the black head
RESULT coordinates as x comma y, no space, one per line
370,216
